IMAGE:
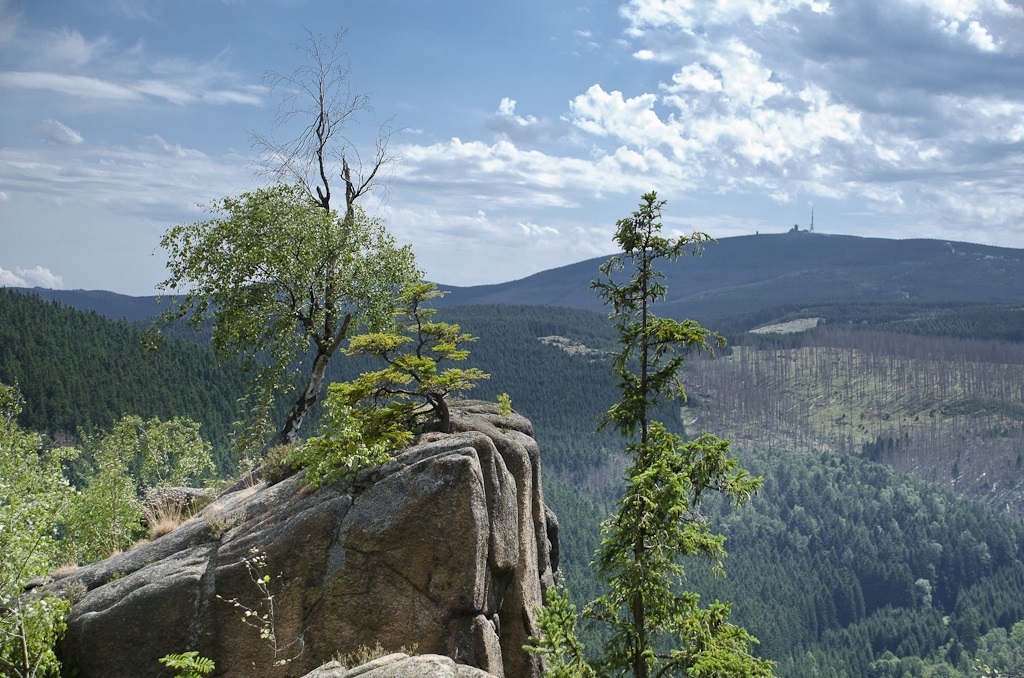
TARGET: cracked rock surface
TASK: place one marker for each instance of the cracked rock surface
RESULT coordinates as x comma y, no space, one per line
449,549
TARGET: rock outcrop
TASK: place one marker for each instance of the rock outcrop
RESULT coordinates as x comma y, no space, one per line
167,502
401,665
448,549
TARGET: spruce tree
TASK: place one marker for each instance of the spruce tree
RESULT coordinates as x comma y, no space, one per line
657,629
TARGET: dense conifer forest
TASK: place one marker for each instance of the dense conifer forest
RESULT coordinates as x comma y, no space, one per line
80,370
864,553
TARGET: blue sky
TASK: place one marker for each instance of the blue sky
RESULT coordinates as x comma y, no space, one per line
529,127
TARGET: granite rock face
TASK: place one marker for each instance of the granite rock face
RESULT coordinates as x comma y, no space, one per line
449,549
400,665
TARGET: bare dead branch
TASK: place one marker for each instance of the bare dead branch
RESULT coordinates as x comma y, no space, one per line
320,96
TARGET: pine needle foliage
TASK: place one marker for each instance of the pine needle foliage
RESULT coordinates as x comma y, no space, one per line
365,419
411,385
656,630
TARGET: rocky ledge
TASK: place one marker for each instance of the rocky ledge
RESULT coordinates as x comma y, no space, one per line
447,550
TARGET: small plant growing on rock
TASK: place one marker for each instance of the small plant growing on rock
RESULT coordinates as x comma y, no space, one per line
263,616
279,462
162,518
557,641
190,664
220,523
365,654
505,405
348,442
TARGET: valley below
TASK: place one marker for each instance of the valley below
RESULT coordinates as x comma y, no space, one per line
887,539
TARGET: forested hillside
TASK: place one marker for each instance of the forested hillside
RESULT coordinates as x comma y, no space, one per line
950,411
842,558
960,320
81,370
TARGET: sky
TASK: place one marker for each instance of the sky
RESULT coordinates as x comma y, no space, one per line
526,128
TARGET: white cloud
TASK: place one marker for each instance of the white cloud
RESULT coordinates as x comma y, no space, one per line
155,179
533,230
31,277
978,36
961,10
58,133
695,15
507,176
528,128
41,277
659,55
632,120
68,48
96,212
179,90
73,85
98,69
467,247
757,103
154,142
247,96
695,77
9,279
973,20
507,107
175,93
743,75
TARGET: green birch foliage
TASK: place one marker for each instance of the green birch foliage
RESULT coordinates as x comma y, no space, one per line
281,278
33,494
347,442
104,518
171,453
129,460
655,629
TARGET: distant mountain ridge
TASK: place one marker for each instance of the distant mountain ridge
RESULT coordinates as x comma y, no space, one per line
109,304
749,273
737,275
